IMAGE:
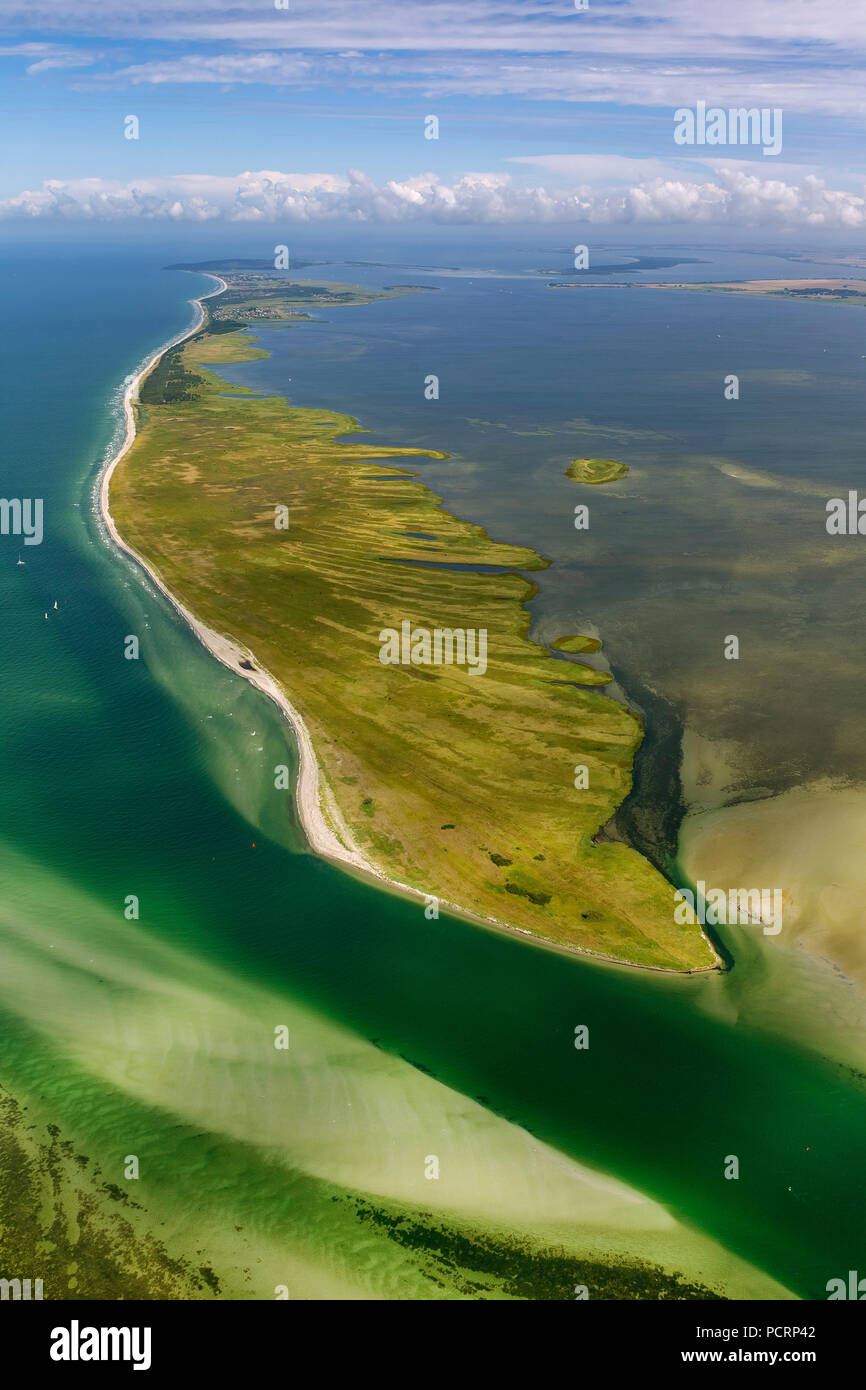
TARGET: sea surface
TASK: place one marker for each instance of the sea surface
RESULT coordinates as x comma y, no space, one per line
154,777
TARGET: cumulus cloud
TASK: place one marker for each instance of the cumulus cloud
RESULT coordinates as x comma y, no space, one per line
732,196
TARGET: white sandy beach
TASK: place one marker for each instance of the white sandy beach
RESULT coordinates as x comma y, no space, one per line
322,838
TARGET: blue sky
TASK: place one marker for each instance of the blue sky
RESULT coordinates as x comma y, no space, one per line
546,112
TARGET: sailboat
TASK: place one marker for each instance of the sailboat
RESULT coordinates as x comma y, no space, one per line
55,605
20,561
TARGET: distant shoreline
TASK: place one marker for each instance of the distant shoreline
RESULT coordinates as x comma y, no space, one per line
836,291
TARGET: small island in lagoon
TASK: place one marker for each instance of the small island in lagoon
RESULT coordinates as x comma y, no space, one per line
595,470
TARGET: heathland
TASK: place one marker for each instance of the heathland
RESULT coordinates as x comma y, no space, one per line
488,791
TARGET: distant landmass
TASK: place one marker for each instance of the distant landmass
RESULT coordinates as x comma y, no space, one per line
635,263
238,264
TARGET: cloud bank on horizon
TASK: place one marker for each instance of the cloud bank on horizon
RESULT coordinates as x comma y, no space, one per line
734,195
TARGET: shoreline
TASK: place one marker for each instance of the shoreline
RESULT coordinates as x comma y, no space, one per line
322,837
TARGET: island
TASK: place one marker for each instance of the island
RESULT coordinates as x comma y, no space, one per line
595,470
825,291
271,297
478,783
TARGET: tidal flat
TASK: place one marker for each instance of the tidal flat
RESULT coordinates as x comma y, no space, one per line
262,1168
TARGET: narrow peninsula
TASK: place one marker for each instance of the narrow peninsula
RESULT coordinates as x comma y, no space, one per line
293,546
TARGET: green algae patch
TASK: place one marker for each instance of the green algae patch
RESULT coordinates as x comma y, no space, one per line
493,1265
61,1219
595,470
404,749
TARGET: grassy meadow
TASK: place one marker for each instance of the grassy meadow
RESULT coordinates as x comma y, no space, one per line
466,787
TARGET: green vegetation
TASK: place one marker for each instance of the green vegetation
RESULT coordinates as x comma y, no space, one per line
580,674
424,770
61,1221
480,1264
224,325
261,298
583,675
170,381
819,292
576,644
780,290
595,470
826,291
